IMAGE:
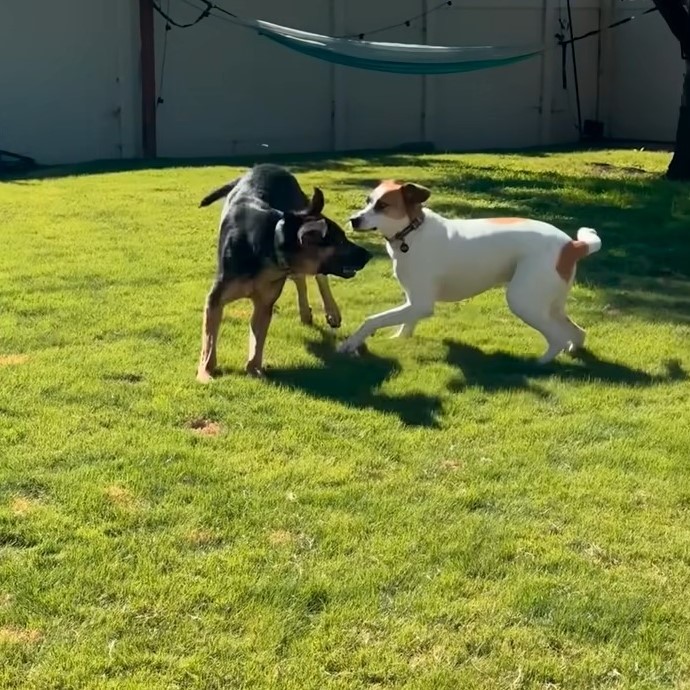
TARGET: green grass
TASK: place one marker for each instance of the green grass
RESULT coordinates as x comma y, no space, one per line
439,514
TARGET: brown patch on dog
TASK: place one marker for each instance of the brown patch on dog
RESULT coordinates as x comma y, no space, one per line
400,200
21,506
388,186
506,221
570,254
205,427
12,635
13,360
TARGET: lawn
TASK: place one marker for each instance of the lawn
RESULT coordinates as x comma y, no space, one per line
441,513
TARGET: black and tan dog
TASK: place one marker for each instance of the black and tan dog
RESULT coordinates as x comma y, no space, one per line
271,231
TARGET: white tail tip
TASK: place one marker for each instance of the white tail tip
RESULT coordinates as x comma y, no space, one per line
590,236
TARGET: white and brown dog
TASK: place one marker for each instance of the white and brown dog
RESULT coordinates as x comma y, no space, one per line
436,259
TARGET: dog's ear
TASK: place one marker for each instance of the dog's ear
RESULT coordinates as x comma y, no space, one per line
312,227
316,204
415,193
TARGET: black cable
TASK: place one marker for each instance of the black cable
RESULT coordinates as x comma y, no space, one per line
407,22
168,28
577,83
170,20
594,32
212,6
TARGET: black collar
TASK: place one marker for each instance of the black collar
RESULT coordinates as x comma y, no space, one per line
414,224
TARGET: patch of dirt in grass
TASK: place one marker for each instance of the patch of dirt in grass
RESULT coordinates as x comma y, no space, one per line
20,506
11,635
280,537
13,360
608,169
204,427
122,498
201,538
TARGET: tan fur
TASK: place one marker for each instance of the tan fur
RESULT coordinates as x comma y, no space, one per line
264,291
505,221
570,254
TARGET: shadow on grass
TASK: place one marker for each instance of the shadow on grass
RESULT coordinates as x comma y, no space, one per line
355,382
297,163
642,218
502,371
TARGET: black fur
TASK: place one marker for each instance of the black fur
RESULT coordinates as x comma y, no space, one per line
256,202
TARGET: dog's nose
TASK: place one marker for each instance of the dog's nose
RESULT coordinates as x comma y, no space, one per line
355,221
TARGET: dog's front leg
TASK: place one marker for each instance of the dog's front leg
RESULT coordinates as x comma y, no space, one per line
329,304
407,313
406,330
303,299
264,298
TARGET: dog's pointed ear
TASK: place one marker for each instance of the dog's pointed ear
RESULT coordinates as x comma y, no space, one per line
317,227
316,204
415,193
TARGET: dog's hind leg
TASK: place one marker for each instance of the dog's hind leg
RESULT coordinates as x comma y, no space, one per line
577,334
264,297
531,294
333,316
305,314
220,294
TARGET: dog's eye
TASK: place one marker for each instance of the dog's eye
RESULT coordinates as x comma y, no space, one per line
380,205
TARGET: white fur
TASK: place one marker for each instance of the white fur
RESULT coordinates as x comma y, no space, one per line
452,260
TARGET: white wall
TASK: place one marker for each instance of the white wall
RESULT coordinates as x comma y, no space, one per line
68,79
70,82
228,91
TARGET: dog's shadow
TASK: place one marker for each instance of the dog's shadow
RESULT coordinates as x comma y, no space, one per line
502,371
356,382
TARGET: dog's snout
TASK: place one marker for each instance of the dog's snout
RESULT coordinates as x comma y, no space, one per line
356,222
364,256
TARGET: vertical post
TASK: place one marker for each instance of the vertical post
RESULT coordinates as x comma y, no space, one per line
546,91
429,82
338,112
148,78
605,66
127,78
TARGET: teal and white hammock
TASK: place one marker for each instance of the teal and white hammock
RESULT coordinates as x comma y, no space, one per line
400,58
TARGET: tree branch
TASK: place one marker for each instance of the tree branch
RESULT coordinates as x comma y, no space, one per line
676,16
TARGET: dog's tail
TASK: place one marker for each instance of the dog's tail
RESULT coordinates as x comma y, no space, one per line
590,238
218,193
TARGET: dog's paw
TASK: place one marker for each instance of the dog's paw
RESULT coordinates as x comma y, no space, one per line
255,371
204,376
334,319
349,347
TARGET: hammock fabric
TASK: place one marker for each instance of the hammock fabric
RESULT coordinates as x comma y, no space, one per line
400,58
